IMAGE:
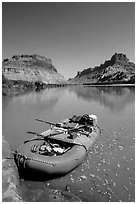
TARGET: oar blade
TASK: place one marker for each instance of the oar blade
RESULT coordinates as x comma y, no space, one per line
30,132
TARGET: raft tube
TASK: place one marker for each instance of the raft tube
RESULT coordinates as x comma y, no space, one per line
29,162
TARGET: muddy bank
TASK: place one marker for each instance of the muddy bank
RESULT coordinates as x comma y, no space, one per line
10,180
10,87
16,87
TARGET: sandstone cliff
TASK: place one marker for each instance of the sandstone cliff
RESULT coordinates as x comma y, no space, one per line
116,70
25,72
31,68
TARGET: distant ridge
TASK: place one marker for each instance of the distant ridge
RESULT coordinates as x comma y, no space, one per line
116,70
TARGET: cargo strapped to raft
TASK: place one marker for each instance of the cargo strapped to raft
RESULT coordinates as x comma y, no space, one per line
65,140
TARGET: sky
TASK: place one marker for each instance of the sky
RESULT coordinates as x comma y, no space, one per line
74,35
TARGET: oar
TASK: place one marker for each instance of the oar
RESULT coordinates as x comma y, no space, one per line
50,123
57,125
54,124
56,139
41,135
45,135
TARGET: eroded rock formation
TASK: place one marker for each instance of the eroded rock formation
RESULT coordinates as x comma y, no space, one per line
23,72
31,68
116,70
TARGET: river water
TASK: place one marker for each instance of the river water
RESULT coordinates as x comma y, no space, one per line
108,172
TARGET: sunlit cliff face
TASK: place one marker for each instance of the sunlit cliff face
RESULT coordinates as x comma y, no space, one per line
31,68
117,69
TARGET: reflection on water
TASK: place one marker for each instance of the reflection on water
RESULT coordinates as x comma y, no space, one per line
48,97
19,113
108,172
115,98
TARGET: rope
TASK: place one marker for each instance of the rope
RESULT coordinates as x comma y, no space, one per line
24,158
43,161
8,157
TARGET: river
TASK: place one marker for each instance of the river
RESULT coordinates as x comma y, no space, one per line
108,172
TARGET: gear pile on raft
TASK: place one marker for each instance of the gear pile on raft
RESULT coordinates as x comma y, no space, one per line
59,149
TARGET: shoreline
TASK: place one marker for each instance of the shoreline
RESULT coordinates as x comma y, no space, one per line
111,85
12,88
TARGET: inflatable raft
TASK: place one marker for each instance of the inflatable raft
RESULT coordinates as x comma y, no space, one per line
56,151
